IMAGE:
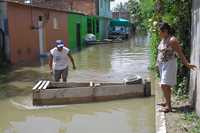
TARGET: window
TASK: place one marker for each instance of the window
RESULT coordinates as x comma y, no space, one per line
55,23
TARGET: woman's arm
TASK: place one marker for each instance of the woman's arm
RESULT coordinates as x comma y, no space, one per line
176,46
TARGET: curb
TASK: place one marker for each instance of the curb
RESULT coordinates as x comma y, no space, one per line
160,121
160,116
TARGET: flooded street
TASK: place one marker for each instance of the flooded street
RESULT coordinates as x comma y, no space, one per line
112,62
99,63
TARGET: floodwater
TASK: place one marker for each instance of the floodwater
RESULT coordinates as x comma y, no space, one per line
99,63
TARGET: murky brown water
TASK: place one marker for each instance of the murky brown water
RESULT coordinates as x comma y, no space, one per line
103,63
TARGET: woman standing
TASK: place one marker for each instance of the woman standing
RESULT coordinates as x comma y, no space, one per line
168,49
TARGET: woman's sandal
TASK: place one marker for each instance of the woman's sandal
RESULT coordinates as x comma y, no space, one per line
165,110
162,104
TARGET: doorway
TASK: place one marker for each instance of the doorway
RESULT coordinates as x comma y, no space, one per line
78,36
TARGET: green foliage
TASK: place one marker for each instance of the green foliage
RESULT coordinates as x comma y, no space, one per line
134,7
147,14
181,91
140,10
193,121
154,44
147,10
179,12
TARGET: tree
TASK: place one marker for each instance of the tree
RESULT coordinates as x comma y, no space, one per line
121,7
140,11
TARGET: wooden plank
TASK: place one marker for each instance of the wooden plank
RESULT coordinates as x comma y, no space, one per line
37,85
46,85
43,83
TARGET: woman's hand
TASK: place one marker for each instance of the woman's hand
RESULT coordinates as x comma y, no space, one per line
191,66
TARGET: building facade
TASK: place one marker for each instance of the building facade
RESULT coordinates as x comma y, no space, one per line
78,26
105,15
30,31
87,7
104,8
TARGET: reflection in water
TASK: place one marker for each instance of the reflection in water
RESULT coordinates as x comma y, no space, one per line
111,117
100,122
111,62
26,103
141,40
101,63
36,125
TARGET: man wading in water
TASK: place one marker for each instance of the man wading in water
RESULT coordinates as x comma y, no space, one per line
58,61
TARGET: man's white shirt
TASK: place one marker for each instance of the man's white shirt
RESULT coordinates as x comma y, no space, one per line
60,58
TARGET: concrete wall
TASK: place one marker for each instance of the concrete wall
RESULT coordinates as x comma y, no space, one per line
87,7
195,56
104,28
24,35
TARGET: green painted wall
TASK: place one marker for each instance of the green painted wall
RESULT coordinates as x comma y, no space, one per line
95,26
73,20
94,20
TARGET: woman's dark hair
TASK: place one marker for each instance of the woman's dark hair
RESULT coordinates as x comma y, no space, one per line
166,27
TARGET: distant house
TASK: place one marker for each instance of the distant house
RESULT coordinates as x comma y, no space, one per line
30,31
30,27
195,56
120,28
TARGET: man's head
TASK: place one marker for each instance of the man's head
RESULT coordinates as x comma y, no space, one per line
59,44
